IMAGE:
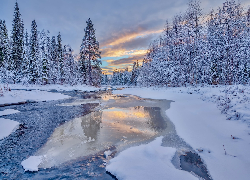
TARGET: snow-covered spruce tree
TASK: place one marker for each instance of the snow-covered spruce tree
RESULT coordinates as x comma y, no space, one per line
59,59
44,43
25,65
54,64
33,54
135,73
70,68
194,28
16,56
90,55
105,79
4,52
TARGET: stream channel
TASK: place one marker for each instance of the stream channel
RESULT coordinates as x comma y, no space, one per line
73,136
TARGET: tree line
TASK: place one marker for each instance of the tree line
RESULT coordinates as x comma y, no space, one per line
37,58
200,49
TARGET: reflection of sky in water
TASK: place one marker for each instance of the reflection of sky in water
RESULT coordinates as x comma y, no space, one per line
99,130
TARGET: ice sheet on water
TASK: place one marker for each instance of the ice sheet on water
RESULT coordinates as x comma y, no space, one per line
31,164
150,161
8,111
7,127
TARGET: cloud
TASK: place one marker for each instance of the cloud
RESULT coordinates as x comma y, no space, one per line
121,26
129,60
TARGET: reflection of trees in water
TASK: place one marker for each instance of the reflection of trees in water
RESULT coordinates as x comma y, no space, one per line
156,120
91,124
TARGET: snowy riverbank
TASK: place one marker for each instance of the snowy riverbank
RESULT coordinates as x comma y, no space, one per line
207,118
22,93
17,93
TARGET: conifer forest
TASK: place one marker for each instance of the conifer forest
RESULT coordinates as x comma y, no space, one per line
37,58
114,89
197,48
194,48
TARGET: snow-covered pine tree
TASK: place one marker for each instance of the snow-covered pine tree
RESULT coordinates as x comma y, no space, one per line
69,66
60,59
33,54
17,34
135,73
90,57
25,65
54,64
44,56
4,52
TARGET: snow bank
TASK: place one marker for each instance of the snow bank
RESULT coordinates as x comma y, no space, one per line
150,161
16,96
31,164
53,86
38,92
8,111
7,126
198,120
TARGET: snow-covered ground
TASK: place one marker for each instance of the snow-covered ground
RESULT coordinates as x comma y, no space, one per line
7,126
150,161
15,93
213,119
51,86
37,92
208,119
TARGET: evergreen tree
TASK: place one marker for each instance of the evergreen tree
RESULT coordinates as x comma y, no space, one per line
4,51
44,56
34,54
25,65
17,44
89,57
54,64
60,61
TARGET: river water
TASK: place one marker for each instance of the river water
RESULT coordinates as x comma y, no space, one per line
118,123
74,136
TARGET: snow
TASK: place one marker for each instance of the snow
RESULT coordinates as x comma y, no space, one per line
107,153
53,86
16,96
7,127
8,111
38,92
198,119
150,161
31,164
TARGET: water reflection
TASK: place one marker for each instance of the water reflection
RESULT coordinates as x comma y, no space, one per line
91,124
121,122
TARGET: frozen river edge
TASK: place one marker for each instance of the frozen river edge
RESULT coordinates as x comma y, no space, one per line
40,110
222,144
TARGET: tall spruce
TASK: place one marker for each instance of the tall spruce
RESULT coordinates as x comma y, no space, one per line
26,60
34,53
17,44
90,57
4,52
60,58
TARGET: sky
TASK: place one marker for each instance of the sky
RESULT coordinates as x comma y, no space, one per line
124,28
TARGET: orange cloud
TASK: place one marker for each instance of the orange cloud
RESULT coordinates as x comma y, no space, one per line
122,52
129,37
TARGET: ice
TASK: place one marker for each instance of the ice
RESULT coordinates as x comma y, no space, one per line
147,162
8,111
31,164
107,153
7,126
